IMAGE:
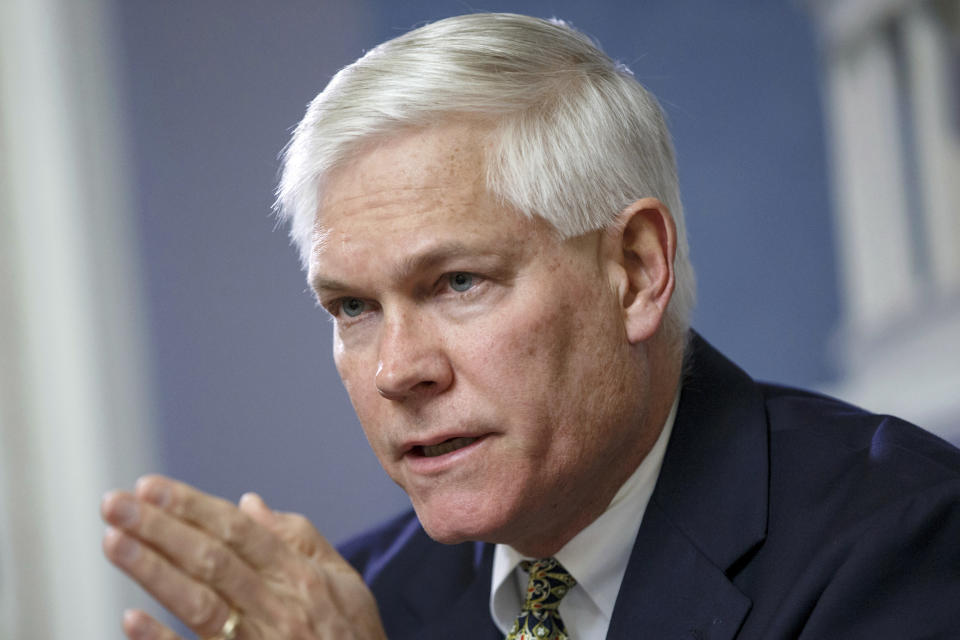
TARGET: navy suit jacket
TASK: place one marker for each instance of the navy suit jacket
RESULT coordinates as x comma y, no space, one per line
778,513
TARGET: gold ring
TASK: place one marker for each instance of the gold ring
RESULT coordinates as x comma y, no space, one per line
229,629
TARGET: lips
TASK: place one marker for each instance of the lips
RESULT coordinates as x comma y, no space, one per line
443,453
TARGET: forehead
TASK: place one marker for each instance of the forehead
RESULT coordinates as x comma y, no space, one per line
440,162
409,191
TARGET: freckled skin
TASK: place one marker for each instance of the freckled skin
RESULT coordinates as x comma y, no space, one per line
535,356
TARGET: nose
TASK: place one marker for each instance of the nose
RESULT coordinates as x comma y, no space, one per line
411,361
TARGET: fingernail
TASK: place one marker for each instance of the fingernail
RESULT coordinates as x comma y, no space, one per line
123,548
153,491
131,620
136,625
250,497
124,512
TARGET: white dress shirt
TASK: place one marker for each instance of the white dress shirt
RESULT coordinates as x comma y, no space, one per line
596,557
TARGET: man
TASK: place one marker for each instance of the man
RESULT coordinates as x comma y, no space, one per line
488,208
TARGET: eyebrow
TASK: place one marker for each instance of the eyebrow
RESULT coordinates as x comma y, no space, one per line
411,265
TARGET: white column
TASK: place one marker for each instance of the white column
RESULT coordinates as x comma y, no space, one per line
869,185
937,126
74,417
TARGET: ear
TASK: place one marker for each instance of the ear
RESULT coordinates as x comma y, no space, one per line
642,246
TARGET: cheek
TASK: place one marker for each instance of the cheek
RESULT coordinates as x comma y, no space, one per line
581,347
516,346
522,357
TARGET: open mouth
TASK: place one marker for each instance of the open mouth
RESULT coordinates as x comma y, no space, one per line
448,446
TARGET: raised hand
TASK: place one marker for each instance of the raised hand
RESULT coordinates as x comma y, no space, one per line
213,564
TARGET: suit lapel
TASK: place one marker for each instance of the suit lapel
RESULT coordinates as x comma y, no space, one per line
707,513
671,590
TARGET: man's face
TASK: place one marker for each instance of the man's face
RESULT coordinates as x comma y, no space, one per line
486,359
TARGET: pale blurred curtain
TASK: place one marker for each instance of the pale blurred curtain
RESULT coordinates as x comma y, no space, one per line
74,411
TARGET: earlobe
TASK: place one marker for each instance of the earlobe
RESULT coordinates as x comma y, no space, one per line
646,235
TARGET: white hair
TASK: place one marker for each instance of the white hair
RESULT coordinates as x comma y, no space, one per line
576,138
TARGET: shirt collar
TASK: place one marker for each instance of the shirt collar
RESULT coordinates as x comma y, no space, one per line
597,556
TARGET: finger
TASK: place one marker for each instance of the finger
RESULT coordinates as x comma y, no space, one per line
197,605
344,590
293,528
297,531
193,551
218,517
138,625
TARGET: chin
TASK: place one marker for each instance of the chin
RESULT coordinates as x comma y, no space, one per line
456,521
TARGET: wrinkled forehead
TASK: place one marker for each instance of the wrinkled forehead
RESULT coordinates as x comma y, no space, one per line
433,175
442,156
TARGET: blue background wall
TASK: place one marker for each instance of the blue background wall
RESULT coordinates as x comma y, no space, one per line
246,394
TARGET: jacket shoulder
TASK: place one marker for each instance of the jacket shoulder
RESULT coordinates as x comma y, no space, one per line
423,588
875,442
864,513
370,550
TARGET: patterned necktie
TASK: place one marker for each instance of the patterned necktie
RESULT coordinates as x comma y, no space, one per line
539,619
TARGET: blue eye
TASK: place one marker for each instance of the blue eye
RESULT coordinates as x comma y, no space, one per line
461,281
352,307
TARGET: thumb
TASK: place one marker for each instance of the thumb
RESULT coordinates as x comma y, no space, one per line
293,528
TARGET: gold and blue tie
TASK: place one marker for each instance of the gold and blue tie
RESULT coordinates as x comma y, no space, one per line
539,619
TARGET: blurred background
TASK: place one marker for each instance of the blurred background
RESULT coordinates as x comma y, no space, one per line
153,318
